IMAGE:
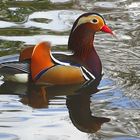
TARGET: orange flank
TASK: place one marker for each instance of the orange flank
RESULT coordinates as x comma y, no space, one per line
40,59
61,75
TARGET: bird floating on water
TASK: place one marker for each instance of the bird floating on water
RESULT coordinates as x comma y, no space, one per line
40,65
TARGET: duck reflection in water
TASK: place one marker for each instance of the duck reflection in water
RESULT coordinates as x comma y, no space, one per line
77,101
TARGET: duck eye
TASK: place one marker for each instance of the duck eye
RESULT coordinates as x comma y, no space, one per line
94,20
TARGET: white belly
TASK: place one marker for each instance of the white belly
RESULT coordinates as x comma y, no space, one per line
20,78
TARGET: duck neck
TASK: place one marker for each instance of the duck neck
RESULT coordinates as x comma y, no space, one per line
81,43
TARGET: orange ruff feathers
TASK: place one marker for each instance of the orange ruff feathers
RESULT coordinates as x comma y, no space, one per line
40,59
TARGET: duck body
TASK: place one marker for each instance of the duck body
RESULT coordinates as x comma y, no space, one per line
40,65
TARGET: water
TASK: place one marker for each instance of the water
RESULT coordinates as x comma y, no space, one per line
55,114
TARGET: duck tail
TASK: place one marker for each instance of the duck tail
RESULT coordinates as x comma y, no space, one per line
40,59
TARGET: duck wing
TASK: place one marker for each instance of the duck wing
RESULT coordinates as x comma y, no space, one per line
14,68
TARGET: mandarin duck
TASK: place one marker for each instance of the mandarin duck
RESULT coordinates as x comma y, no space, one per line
42,66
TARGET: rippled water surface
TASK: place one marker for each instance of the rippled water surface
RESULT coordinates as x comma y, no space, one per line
25,114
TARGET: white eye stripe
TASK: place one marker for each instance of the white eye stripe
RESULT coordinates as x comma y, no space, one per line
82,21
90,19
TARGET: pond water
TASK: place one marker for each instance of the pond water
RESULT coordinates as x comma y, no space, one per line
113,113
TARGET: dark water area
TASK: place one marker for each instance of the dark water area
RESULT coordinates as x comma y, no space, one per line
112,112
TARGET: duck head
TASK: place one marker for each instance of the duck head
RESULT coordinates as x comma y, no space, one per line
83,31
93,21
